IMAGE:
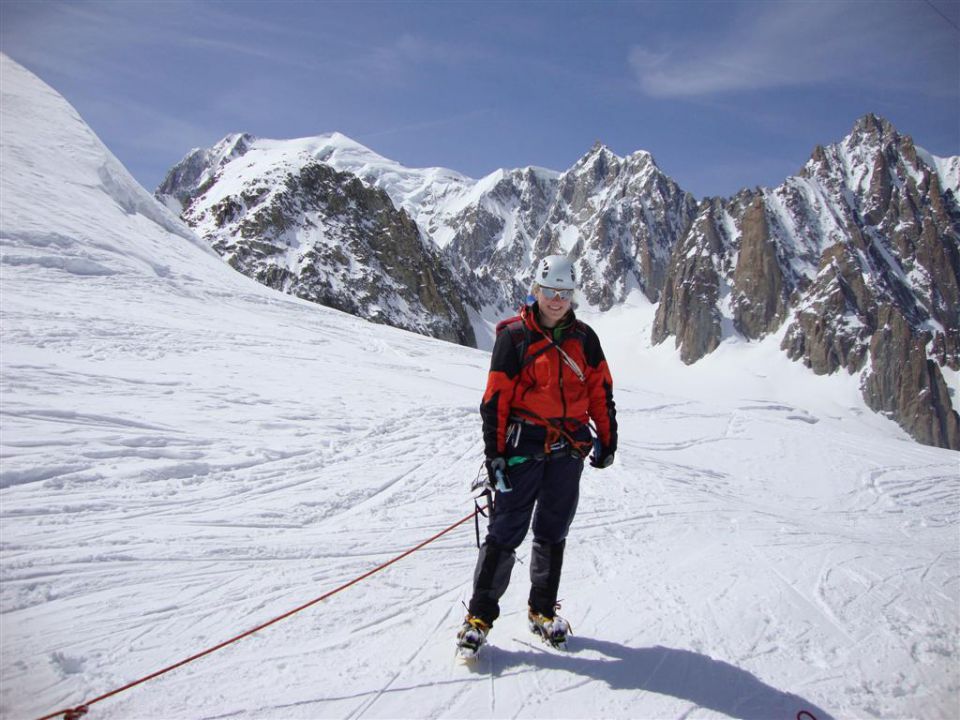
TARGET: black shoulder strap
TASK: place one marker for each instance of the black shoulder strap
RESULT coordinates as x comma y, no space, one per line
519,336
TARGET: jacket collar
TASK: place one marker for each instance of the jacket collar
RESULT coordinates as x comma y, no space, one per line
531,317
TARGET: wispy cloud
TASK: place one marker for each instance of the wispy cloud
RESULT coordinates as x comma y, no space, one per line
453,120
782,45
409,53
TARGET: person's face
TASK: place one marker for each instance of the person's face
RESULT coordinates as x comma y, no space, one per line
553,304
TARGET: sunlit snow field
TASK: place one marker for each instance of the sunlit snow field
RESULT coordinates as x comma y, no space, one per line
186,454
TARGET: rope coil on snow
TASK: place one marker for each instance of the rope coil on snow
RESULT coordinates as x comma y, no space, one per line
79,711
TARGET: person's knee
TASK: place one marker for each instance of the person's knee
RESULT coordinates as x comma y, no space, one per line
508,532
551,526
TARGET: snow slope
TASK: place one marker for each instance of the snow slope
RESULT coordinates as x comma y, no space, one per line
186,454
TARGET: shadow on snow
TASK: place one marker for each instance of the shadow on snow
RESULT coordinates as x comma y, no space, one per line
682,674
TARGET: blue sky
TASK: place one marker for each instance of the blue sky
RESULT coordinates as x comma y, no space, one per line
725,95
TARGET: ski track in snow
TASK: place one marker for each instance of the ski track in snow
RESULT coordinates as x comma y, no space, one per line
698,585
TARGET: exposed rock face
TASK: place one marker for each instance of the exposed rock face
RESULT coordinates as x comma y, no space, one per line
903,229
760,300
492,236
907,385
194,175
619,217
327,237
690,306
835,319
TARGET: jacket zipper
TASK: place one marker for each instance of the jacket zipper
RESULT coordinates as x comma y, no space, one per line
563,395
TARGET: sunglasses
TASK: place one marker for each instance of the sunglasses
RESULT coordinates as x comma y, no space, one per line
551,293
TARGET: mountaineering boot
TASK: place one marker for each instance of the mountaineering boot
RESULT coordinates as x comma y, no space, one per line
472,635
552,630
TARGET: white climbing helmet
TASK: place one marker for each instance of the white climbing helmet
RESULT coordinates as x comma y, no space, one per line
555,271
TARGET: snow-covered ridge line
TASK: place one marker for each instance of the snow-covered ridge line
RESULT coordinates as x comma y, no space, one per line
410,189
948,169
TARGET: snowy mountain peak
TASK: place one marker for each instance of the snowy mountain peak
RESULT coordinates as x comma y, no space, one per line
344,154
872,157
233,146
642,157
597,160
875,126
538,174
601,165
875,143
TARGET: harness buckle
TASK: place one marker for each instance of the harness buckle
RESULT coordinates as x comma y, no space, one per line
553,442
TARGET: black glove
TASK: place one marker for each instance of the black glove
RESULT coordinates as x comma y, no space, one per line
497,474
602,457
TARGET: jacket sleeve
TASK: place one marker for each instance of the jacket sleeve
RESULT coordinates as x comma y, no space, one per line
603,410
498,397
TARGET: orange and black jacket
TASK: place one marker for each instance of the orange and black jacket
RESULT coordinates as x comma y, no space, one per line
530,379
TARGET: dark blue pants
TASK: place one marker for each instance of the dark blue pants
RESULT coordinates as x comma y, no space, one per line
545,490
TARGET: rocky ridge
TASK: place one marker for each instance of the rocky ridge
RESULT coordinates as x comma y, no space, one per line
855,260
306,229
618,217
853,263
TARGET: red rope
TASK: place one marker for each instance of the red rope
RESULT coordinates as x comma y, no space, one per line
77,712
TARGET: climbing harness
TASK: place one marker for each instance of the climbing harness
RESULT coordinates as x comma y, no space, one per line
557,435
